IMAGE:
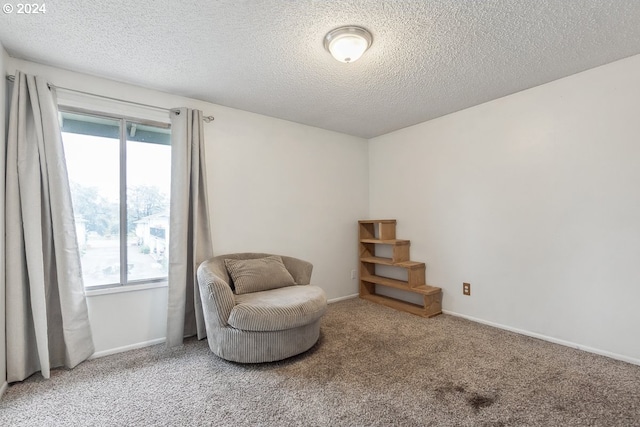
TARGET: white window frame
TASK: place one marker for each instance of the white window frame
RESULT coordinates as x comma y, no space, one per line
84,103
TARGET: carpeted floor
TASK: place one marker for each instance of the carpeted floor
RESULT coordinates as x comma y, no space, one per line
373,366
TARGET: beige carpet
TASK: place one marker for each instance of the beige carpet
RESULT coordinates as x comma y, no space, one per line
372,367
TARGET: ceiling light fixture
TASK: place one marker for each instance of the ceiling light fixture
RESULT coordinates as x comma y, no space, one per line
347,44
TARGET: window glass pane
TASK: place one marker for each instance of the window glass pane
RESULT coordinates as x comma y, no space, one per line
148,189
92,153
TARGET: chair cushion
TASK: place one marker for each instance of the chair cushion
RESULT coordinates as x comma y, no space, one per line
260,274
278,309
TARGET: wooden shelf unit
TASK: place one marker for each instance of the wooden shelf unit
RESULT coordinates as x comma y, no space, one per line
383,232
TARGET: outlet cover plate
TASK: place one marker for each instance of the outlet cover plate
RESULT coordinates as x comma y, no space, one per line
466,288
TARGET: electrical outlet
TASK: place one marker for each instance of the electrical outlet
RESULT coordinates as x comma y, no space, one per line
466,289
353,275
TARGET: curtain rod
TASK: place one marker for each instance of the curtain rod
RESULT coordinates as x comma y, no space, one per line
206,119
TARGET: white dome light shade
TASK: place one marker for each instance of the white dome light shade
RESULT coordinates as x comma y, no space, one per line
347,44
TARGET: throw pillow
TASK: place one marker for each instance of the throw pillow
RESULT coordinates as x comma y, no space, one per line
260,274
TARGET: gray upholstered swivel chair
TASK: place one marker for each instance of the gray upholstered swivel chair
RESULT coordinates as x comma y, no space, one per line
261,326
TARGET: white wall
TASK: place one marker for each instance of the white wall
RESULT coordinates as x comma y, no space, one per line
274,186
532,198
3,117
535,200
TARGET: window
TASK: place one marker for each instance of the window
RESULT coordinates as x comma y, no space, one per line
120,178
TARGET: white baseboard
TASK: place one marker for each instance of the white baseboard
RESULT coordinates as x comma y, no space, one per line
4,388
547,338
135,346
122,349
332,300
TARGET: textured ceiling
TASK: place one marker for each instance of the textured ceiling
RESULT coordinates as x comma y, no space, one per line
428,58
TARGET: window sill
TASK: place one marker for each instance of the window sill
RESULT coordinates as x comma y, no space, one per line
127,288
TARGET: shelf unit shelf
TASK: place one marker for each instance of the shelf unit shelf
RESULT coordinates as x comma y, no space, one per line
396,242
383,232
391,262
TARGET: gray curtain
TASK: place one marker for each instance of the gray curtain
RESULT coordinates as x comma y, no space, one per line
189,235
46,312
